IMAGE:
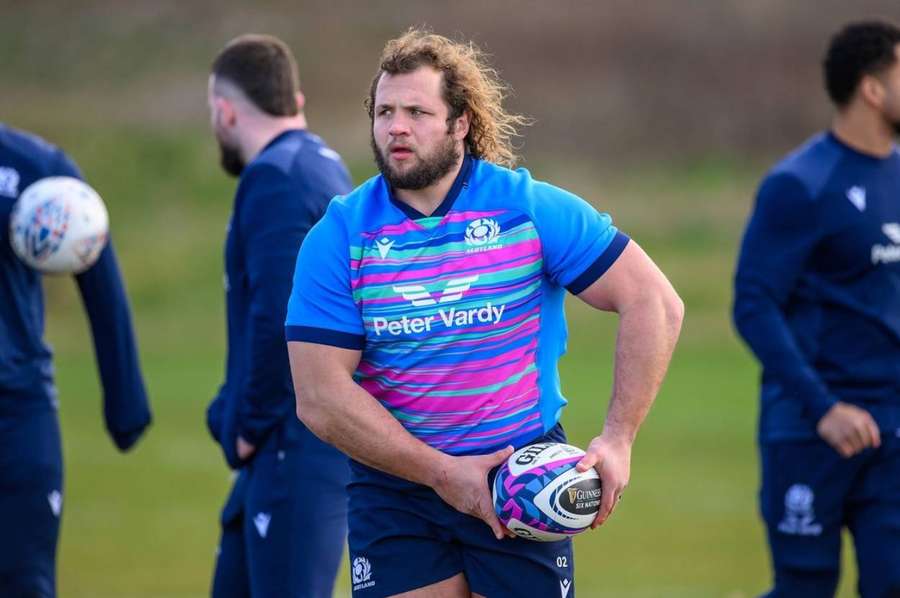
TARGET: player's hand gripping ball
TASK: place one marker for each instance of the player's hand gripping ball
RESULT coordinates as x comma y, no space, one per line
59,225
539,495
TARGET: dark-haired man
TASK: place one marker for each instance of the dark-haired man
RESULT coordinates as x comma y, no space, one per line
817,298
31,465
284,524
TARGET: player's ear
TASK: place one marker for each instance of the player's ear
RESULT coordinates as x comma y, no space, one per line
301,100
461,125
225,110
872,91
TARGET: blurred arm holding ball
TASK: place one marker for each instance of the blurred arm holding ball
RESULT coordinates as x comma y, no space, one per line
60,209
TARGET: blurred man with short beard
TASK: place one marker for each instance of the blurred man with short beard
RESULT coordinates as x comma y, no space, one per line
392,365
817,298
284,524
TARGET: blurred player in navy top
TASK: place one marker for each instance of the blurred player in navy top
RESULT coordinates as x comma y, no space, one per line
817,298
284,524
31,470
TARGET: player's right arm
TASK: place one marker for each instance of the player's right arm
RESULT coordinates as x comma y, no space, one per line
126,408
342,413
781,235
325,335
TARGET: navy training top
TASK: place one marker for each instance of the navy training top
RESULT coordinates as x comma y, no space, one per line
26,369
817,287
281,194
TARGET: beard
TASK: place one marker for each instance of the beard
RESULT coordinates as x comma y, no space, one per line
230,159
428,171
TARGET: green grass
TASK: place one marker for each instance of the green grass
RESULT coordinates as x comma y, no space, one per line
145,524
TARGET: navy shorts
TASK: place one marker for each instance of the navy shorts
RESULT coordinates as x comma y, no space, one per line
31,486
809,493
285,522
403,537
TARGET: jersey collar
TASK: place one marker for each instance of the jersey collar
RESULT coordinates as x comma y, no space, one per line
462,179
282,136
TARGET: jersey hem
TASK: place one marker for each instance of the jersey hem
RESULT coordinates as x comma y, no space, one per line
325,336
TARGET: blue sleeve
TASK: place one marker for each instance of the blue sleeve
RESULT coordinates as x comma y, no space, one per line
125,405
275,216
780,237
579,243
65,166
321,307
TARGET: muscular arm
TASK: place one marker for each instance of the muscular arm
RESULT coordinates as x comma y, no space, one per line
342,413
650,316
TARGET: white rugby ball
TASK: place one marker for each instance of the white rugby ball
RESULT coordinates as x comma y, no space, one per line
59,225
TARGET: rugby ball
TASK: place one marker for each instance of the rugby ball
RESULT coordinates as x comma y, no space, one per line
59,225
539,495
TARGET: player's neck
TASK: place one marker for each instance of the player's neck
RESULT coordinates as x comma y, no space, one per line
264,130
427,200
865,131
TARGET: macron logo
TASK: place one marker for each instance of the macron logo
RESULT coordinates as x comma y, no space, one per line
564,586
261,521
55,500
857,196
419,296
384,245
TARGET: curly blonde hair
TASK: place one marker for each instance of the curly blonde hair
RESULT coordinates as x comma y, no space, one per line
469,85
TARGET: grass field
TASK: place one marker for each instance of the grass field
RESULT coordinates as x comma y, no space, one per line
145,525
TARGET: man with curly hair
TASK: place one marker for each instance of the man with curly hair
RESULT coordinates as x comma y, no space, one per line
817,298
426,320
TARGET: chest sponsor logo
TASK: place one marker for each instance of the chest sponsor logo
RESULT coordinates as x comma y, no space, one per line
887,254
419,296
9,181
450,317
857,196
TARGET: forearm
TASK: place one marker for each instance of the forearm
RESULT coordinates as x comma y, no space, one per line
345,415
760,322
265,400
648,331
126,407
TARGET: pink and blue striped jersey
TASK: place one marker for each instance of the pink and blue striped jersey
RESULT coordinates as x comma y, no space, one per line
458,315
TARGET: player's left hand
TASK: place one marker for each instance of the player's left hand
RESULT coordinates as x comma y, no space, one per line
244,449
612,460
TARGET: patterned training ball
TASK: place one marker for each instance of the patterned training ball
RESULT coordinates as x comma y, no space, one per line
539,495
59,225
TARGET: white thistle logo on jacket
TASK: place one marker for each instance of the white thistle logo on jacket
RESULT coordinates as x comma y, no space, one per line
9,181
